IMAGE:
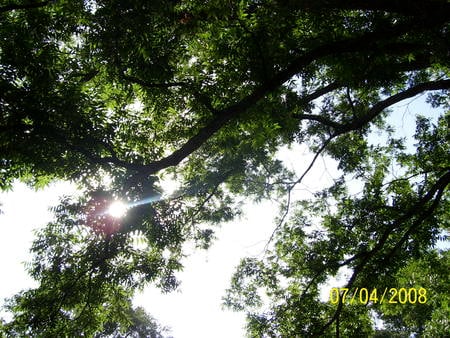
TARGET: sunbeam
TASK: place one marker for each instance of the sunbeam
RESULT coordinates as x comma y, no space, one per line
147,200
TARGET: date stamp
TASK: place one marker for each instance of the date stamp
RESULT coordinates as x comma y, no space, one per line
378,296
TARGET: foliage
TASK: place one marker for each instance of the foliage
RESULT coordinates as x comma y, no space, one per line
120,95
139,324
392,223
142,325
432,318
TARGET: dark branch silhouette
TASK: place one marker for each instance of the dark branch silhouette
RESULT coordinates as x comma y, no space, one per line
12,7
364,42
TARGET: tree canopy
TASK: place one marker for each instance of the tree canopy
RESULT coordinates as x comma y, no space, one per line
120,95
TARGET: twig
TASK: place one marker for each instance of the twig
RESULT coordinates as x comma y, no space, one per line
291,187
147,84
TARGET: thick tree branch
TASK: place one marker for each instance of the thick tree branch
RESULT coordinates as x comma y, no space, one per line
222,117
12,7
377,108
420,8
365,42
380,106
319,118
321,91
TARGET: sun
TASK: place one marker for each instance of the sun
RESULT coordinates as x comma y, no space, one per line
117,209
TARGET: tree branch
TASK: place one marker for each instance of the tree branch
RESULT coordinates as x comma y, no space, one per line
419,8
322,91
380,106
363,42
424,215
59,136
147,84
367,41
12,7
377,108
319,118
292,186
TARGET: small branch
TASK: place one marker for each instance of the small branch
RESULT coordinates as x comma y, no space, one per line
321,119
425,215
205,101
439,185
280,223
86,77
203,203
291,187
349,98
147,84
322,91
211,194
409,177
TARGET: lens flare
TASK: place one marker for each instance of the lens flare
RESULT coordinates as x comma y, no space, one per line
117,209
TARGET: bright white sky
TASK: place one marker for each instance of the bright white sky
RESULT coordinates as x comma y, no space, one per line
195,309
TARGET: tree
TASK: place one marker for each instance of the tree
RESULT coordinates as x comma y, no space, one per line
117,96
140,324
432,319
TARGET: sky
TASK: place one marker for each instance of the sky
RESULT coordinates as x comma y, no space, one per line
195,309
